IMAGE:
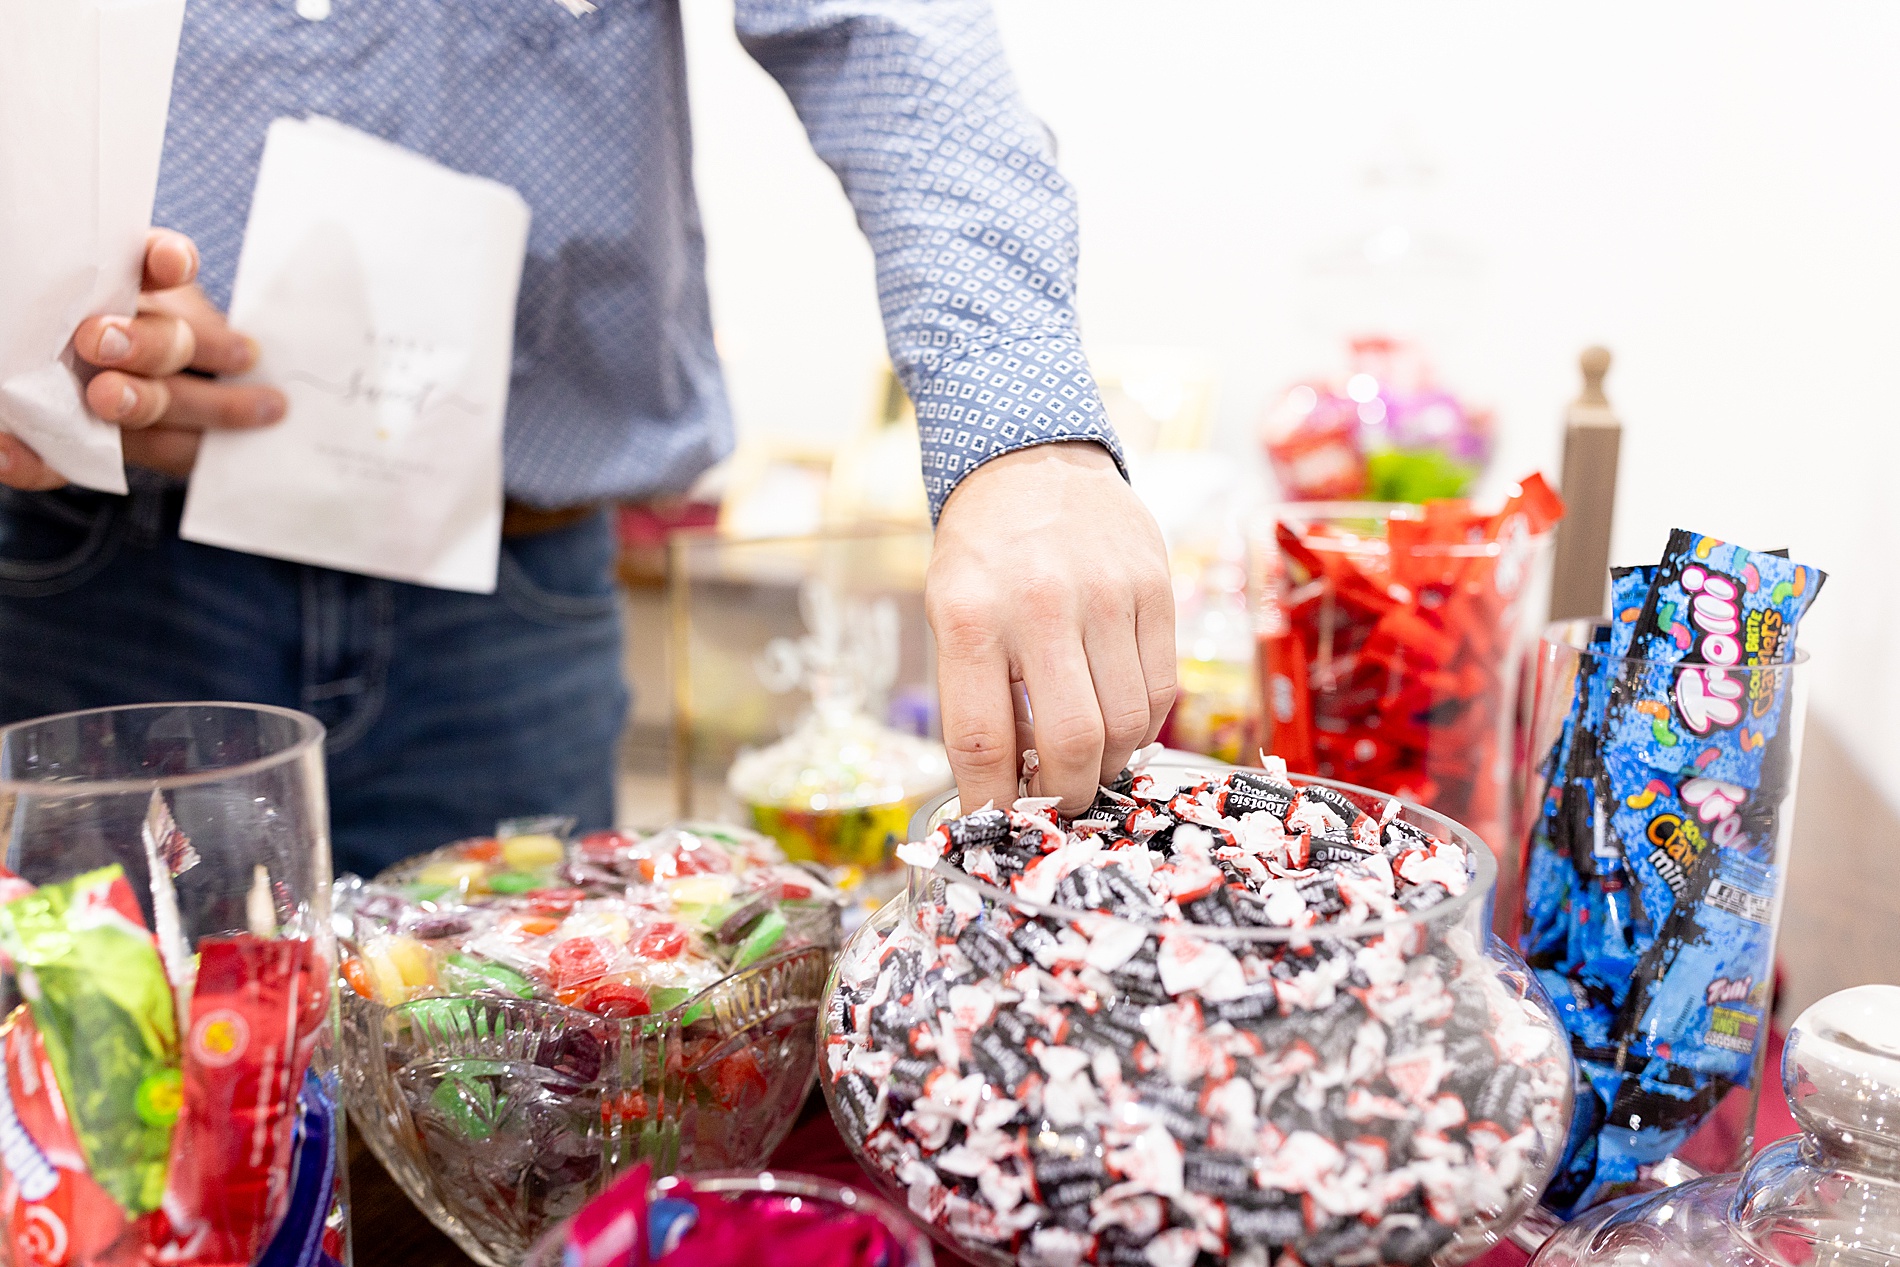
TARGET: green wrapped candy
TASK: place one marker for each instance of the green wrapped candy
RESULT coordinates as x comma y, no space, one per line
466,1097
465,974
517,882
665,998
759,942
98,994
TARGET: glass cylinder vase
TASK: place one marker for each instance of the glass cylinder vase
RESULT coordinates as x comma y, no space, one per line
171,1062
1654,849
1389,657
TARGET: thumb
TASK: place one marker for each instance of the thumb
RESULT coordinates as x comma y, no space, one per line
21,468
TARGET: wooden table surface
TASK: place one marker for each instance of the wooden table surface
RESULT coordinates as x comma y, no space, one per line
386,1229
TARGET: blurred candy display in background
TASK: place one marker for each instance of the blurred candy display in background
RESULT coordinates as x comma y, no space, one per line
1386,433
840,789
1400,296
1214,708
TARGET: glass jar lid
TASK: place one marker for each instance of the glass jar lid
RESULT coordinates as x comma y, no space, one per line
1832,1196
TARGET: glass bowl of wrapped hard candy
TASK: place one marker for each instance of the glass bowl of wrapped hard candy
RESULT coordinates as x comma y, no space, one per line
1221,1017
528,1017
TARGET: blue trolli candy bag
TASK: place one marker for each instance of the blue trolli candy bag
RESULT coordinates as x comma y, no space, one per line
1716,620
1650,868
1654,1106
1629,591
1701,992
1550,873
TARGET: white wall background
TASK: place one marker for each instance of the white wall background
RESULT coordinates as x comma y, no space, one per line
1711,189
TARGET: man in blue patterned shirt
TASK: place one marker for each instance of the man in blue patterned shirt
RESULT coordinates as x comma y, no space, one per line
448,710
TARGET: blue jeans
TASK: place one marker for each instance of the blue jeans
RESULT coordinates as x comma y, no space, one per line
445,711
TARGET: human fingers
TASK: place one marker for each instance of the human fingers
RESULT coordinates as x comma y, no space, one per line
163,449
1068,720
21,468
221,350
182,401
973,688
204,404
1121,693
151,344
171,260
1154,639
1025,724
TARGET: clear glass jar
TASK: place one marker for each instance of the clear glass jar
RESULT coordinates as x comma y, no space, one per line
1648,902
1395,667
785,1185
1036,1149
1827,1198
171,1084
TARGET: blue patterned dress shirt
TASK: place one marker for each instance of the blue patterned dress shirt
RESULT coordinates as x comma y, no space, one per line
616,391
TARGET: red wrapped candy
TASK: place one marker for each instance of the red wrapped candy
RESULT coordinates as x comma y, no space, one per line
255,1014
1386,647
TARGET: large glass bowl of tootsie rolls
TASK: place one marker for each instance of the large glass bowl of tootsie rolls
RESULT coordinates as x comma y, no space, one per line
1223,1016
528,1016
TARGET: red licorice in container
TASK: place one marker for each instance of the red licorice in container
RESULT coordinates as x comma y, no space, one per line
255,1014
1386,663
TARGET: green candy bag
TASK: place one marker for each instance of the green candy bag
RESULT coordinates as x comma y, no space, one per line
98,994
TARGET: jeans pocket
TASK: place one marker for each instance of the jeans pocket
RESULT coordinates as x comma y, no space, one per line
564,577
54,542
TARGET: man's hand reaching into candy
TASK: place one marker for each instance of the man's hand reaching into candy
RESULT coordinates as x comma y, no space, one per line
1049,571
156,373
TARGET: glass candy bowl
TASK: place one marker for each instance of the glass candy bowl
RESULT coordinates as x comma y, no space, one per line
1399,1095
1829,1197
501,1116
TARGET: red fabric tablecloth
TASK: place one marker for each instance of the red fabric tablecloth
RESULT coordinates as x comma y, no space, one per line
815,1148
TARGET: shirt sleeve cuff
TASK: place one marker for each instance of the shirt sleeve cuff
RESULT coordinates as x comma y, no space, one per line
1010,395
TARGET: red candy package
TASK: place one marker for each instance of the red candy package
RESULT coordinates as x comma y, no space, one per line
255,1016
762,1228
1281,667
55,1213
611,1230
1387,647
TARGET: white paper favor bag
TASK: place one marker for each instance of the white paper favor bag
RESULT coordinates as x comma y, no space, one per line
84,87
380,287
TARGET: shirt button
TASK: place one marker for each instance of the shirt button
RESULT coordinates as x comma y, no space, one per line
313,10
